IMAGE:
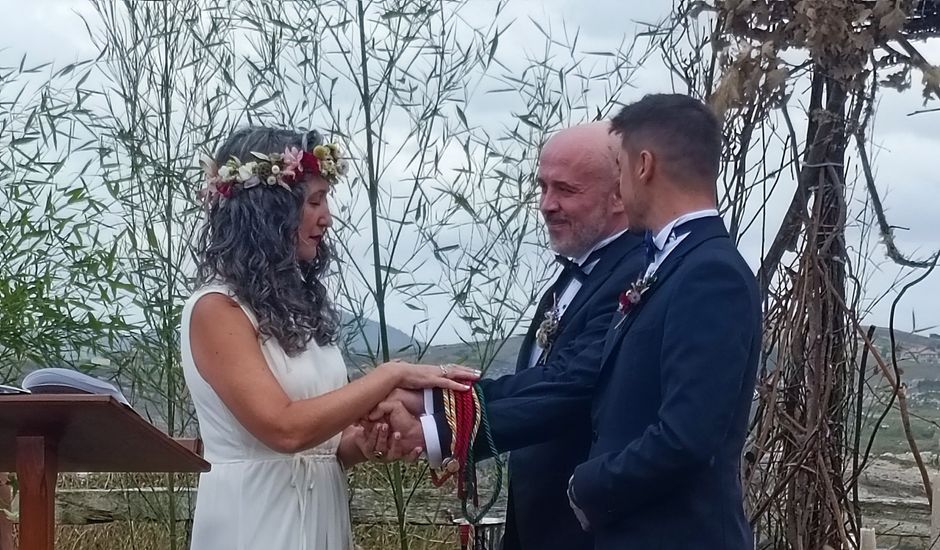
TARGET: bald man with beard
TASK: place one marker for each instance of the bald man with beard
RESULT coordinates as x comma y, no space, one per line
587,228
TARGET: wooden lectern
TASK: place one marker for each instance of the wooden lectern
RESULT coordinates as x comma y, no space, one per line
42,435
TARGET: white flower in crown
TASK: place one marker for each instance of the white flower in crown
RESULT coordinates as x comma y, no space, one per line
226,173
246,171
342,167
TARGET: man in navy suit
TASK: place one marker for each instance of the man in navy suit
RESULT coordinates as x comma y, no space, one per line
671,403
579,200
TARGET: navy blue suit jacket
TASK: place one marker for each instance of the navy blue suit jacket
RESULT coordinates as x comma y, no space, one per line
671,405
544,454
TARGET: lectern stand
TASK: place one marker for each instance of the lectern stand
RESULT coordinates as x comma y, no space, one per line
42,435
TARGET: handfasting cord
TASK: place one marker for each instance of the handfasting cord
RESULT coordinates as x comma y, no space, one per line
450,465
464,428
478,418
466,417
475,518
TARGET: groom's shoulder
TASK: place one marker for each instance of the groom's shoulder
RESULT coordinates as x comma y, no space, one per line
719,252
720,264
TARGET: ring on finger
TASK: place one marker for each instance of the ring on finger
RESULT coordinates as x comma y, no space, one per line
379,455
443,370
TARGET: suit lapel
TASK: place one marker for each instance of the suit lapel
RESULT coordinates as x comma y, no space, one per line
611,259
525,352
701,230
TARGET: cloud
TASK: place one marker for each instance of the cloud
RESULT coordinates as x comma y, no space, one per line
52,30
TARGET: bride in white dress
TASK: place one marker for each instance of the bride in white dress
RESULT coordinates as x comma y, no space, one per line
276,415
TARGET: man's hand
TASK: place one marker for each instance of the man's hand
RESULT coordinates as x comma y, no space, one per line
402,422
412,400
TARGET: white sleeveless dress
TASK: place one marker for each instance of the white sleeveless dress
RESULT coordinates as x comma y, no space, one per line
256,498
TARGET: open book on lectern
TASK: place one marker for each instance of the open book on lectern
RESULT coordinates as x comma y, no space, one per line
64,381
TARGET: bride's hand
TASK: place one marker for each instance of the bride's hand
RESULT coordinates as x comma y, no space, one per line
374,442
419,377
358,442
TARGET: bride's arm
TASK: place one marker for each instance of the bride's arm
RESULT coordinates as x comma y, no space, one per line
228,357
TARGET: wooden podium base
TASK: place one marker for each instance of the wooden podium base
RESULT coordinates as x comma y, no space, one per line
42,435
36,471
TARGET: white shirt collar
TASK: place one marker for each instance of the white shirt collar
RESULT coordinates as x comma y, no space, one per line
583,258
663,235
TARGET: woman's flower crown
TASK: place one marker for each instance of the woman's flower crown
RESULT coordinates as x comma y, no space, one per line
283,169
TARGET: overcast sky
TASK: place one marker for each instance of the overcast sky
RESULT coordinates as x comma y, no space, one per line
50,30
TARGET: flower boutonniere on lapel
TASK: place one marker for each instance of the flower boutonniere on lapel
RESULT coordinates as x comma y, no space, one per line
548,327
632,296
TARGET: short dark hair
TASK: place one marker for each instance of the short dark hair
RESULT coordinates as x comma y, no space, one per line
684,132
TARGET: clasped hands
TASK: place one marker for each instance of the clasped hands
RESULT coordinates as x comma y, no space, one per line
392,430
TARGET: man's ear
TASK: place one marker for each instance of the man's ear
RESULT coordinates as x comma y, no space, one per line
616,201
645,166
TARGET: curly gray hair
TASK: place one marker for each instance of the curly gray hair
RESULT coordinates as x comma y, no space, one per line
249,242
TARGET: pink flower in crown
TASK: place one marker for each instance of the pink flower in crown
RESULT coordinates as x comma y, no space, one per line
213,180
206,194
209,168
293,157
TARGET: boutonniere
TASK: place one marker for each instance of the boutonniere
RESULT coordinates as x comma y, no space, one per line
632,296
548,327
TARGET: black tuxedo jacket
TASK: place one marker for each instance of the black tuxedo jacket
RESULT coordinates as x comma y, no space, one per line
550,434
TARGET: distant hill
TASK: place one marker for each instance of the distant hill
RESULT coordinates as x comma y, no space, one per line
505,360
360,337
906,340
465,354
503,363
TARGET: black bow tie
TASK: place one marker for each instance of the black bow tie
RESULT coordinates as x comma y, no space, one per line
576,269
570,267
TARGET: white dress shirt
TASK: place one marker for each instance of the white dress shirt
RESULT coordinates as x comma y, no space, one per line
667,240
